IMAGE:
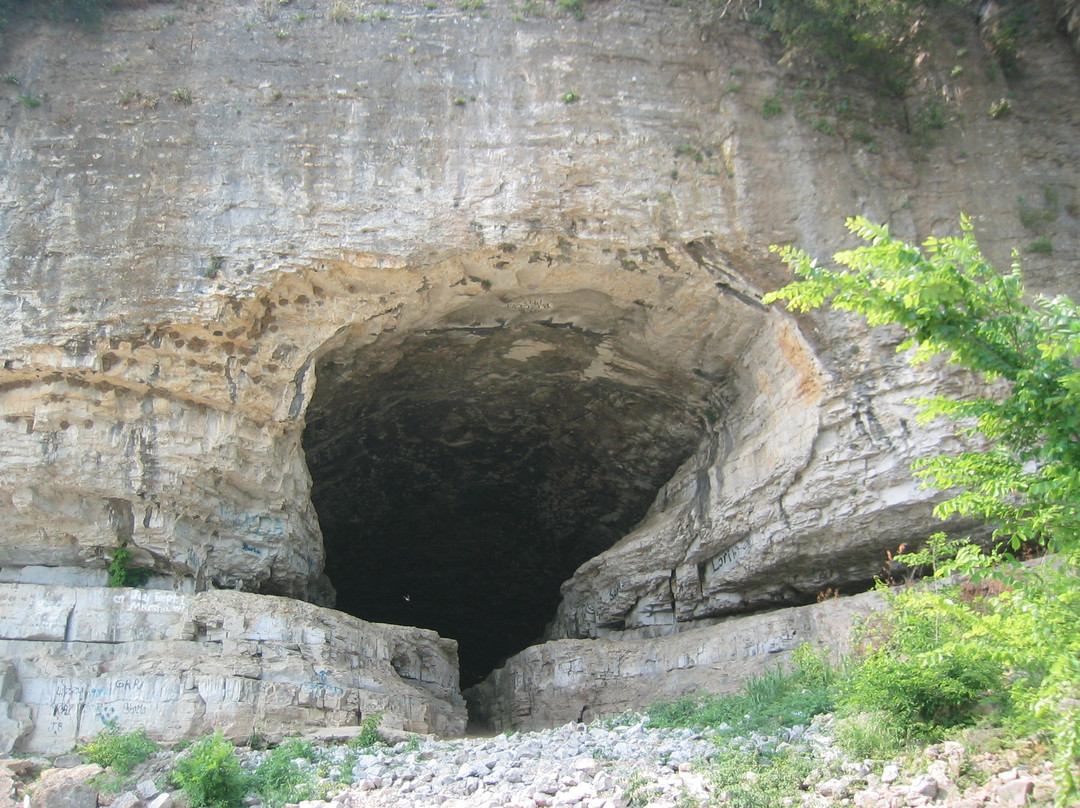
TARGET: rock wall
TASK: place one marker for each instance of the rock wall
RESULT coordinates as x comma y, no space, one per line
550,684
216,209
171,271
182,666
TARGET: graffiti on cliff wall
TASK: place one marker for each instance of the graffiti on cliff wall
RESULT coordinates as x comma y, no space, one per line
257,524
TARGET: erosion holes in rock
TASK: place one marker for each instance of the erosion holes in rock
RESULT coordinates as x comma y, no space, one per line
462,473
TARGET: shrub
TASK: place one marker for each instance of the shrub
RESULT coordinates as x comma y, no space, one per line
575,7
211,776
876,38
1026,482
756,780
1001,108
764,703
1041,245
84,12
119,751
919,667
874,736
369,732
771,106
342,13
279,779
1002,38
121,573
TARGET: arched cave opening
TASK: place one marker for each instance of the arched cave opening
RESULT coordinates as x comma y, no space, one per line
462,474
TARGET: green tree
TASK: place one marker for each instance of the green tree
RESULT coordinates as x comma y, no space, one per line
1026,481
211,775
1025,478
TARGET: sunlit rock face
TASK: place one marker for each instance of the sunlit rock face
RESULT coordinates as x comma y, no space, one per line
380,311
463,471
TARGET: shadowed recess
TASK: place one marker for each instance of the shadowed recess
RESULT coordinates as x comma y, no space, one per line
463,474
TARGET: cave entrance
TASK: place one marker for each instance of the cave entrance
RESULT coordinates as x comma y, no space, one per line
462,473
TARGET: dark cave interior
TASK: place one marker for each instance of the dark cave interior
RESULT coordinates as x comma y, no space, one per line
461,475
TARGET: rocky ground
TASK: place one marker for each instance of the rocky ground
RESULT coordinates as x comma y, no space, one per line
623,764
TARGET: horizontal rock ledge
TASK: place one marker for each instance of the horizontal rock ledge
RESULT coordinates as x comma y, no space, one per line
73,659
550,684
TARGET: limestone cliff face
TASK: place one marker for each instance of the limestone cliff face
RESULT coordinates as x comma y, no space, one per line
536,244
73,659
581,680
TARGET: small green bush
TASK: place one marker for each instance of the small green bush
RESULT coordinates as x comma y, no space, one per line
279,779
211,776
764,703
1041,245
119,751
873,736
1001,108
121,573
85,12
342,13
919,666
1002,38
875,38
771,106
756,780
369,732
575,7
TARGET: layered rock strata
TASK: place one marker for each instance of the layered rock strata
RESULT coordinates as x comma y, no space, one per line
494,282
181,666
555,682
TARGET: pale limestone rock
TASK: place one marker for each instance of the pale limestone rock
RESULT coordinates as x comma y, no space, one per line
923,786
1014,792
15,718
147,789
158,360
66,788
171,278
129,799
183,665
548,684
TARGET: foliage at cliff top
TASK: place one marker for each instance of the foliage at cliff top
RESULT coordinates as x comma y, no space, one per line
86,12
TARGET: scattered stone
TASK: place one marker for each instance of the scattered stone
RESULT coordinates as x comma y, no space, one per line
161,801
66,788
129,799
922,789
147,789
1014,792
890,774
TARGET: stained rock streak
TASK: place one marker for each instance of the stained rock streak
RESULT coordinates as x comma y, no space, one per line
461,480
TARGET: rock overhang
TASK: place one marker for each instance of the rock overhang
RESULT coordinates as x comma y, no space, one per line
466,461
174,279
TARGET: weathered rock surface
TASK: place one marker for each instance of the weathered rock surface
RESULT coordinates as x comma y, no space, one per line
617,764
549,684
67,788
223,225
184,665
